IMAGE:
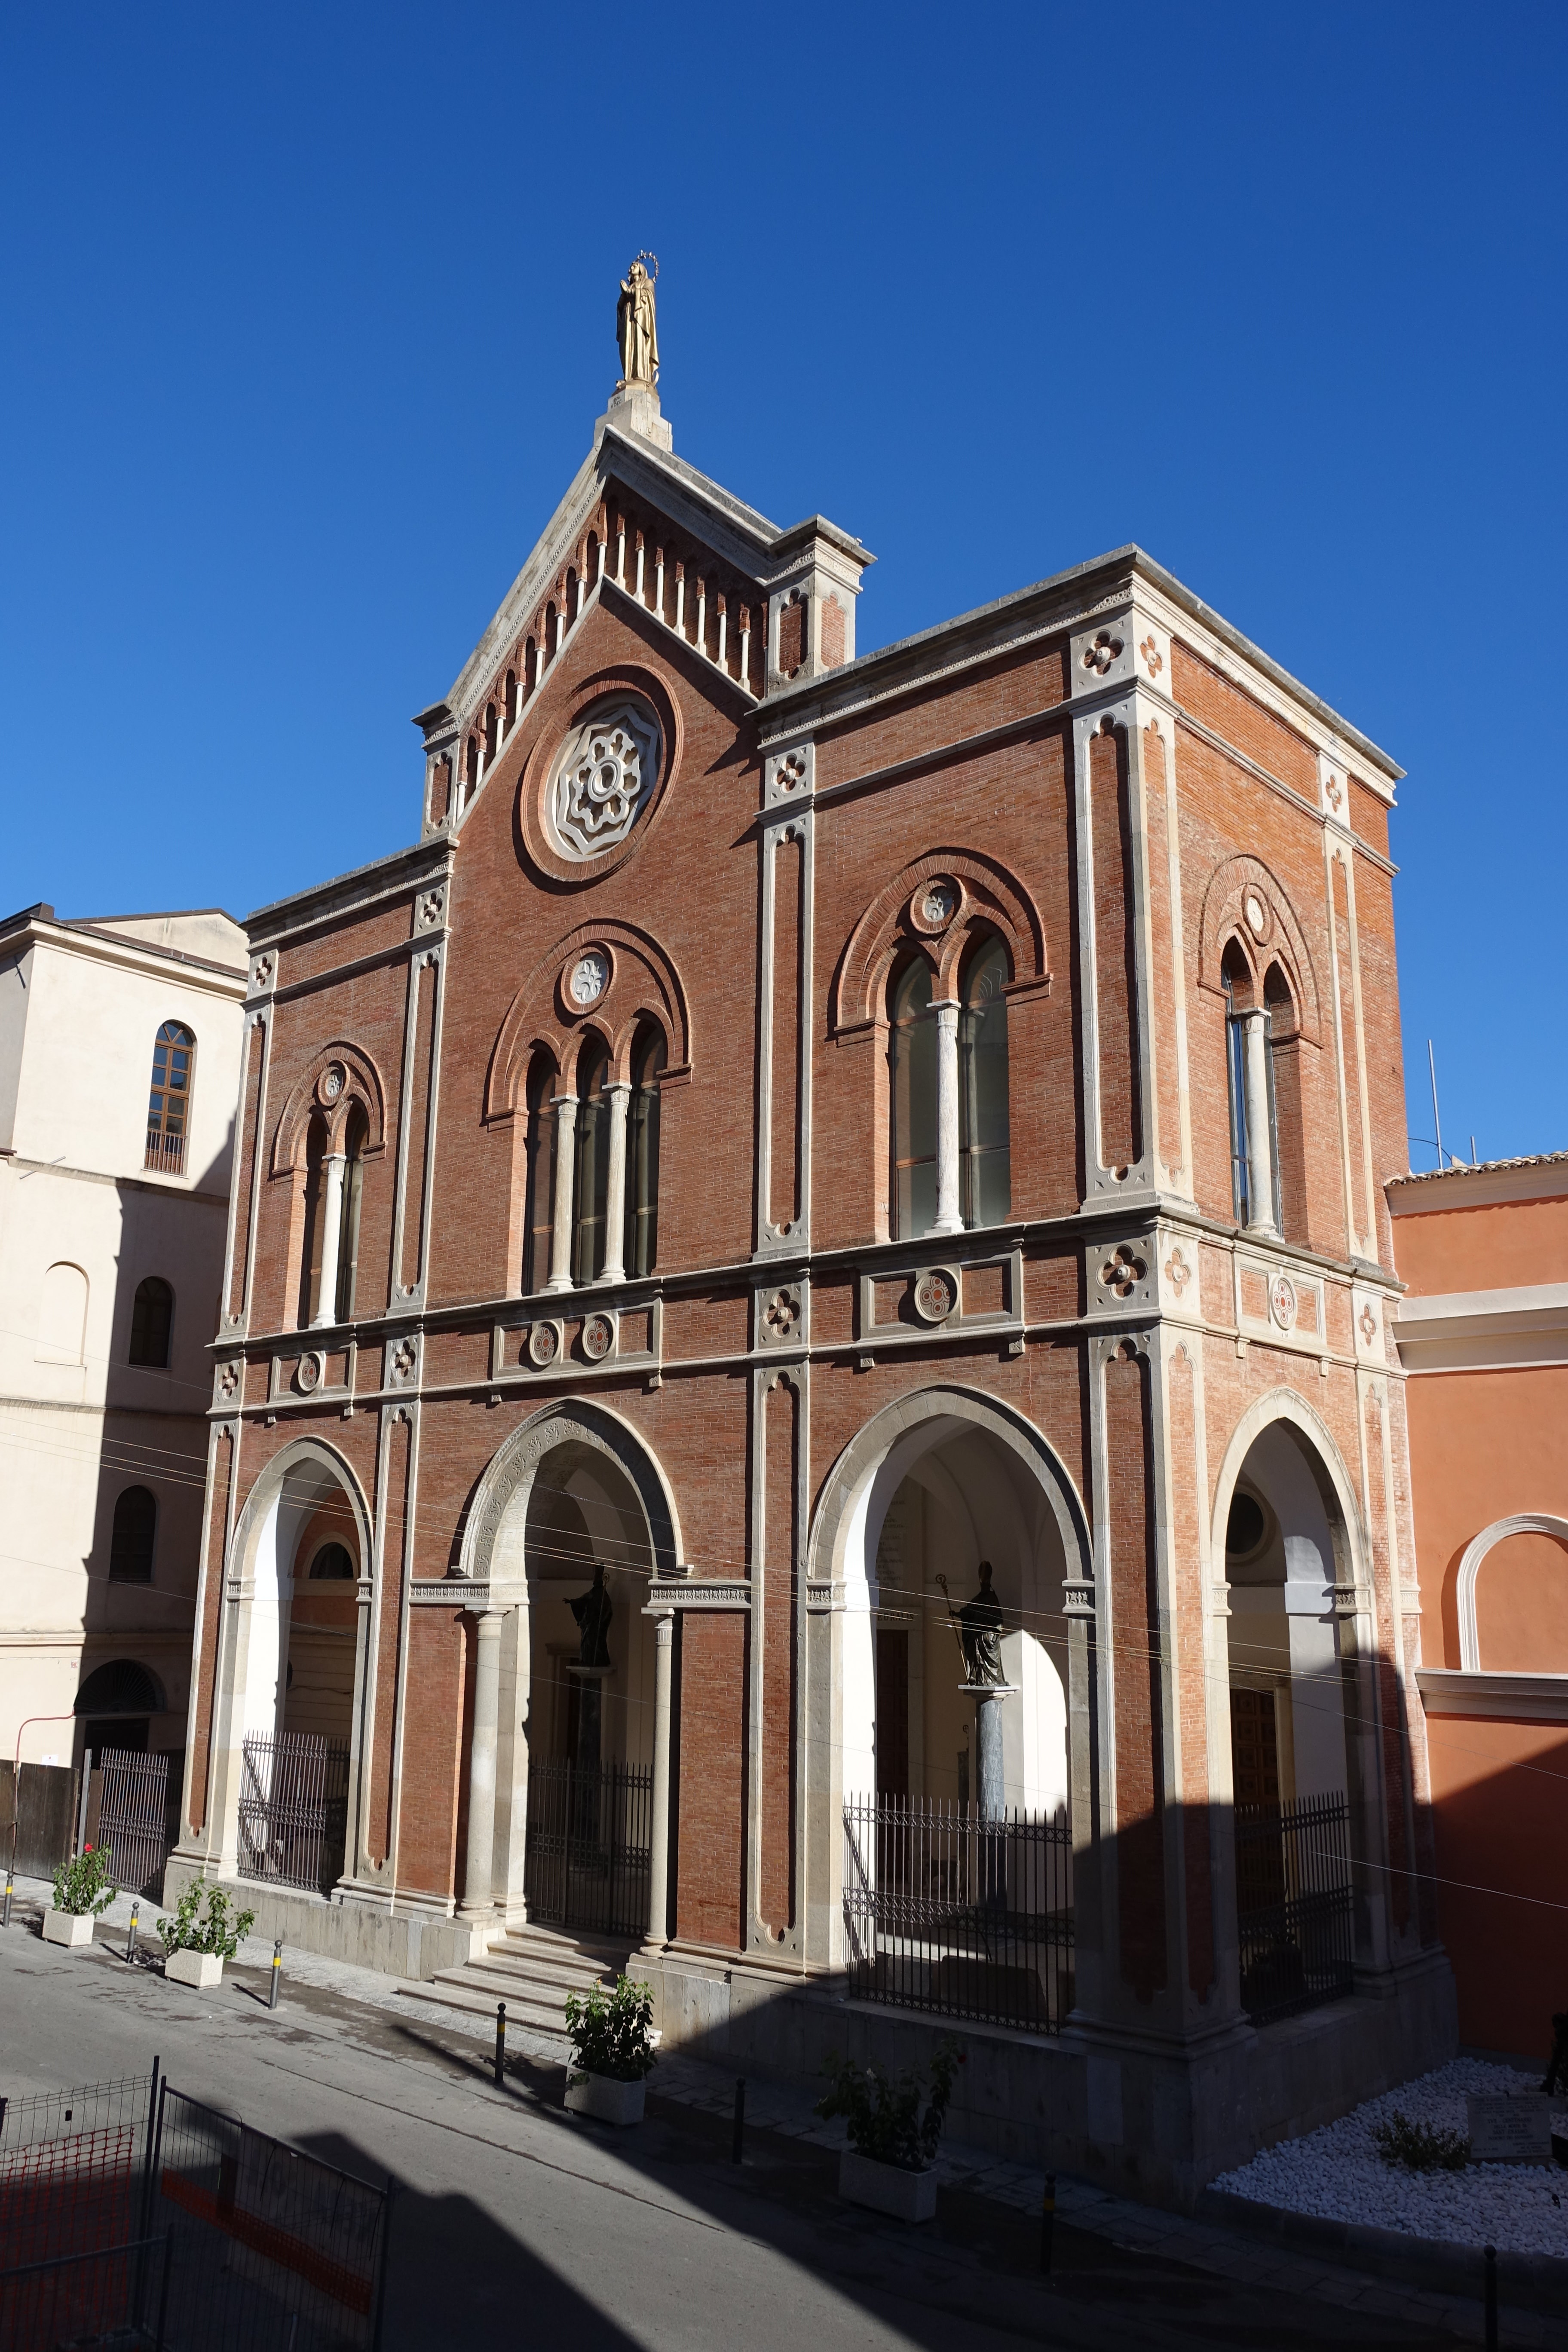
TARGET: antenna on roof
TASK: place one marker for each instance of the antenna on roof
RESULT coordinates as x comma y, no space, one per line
1437,1122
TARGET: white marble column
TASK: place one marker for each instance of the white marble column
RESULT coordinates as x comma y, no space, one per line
477,1890
659,1840
332,1168
620,1094
949,1215
565,1109
1259,1143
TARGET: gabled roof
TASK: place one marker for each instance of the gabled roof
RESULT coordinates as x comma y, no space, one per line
736,532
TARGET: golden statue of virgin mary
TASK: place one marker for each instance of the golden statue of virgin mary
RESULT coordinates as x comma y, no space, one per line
636,330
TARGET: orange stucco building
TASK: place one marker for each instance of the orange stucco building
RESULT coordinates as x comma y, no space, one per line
1483,1337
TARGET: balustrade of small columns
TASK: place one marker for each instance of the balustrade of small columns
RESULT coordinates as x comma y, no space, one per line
656,575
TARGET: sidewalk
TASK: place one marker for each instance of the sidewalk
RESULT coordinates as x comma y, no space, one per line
785,2112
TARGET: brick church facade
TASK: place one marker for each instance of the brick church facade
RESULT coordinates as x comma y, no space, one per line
795,1125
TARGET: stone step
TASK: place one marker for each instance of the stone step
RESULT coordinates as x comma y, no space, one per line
543,2020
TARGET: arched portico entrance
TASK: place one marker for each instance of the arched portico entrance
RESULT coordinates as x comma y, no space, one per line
565,1776
1304,1773
290,1673
943,1480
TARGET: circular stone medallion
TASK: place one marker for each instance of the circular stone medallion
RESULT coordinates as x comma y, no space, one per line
333,1079
936,1294
598,1338
308,1376
935,903
589,977
1257,914
543,1343
602,775
1282,1303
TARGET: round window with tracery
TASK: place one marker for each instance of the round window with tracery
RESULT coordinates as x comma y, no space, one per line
602,778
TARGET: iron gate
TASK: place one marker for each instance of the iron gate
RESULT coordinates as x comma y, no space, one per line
134,1818
293,1810
964,1917
588,1855
1294,1905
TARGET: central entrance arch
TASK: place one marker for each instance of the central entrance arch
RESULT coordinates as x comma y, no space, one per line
574,1509
933,1486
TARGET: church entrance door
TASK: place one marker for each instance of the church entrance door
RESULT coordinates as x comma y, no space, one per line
589,1846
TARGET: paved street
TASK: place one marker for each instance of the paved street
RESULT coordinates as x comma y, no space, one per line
516,2219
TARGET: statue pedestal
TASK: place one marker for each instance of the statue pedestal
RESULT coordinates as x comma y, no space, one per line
991,1791
634,408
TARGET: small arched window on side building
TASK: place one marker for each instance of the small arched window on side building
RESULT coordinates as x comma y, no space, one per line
911,1069
983,1135
151,1317
641,1251
169,1099
132,1536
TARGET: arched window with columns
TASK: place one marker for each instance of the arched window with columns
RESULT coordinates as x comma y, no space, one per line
641,1247
591,1179
913,1094
355,1137
1250,1088
984,1140
539,1212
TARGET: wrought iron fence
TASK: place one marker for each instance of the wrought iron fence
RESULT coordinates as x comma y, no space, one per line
293,1809
1293,1906
961,1916
134,1817
274,2250
589,1837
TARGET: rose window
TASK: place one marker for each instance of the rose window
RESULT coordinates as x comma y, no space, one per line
601,779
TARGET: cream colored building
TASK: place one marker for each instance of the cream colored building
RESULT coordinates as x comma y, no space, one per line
120,1041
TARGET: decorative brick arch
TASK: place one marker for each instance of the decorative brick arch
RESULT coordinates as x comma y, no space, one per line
362,1084
494,1531
1283,943
993,900
643,985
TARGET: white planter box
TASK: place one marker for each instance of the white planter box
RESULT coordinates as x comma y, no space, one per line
67,1927
887,2187
198,1969
607,2101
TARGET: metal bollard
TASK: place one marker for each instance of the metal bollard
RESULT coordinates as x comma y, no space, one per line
738,2135
131,1931
1048,2223
277,1972
5,1915
1491,2253
500,2045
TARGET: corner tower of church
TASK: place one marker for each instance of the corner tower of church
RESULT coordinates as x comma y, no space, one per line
810,1155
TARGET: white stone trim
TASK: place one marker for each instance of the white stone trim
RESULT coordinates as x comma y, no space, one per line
1522,1523
1478,1330
1513,1698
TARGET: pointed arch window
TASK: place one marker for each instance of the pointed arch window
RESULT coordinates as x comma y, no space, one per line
984,1134
590,1173
169,1099
911,1066
315,1221
641,1252
1250,1086
152,1316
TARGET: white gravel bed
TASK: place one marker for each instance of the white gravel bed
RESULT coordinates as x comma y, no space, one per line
1338,2173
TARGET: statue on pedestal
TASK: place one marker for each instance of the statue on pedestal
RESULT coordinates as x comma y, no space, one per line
593,1609
979,1628
636,330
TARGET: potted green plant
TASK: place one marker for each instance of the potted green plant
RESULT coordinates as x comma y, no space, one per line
614,2049
83,1887
893,2145
194,1948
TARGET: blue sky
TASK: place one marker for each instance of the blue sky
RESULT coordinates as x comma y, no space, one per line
310,312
